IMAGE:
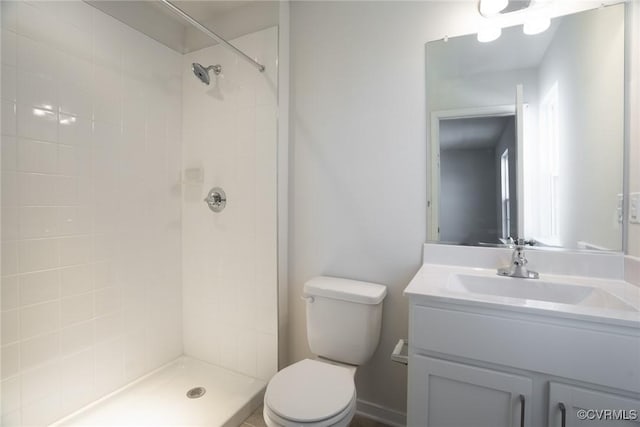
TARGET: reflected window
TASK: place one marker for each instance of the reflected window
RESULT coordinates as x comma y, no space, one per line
504,189
550,153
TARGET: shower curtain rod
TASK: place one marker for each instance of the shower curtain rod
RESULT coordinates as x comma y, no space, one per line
211,34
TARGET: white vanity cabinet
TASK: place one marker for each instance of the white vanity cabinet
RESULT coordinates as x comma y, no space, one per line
475,365
566,402
445,393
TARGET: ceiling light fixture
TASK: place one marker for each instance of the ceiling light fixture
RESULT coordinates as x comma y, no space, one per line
488,32
491,7
536,24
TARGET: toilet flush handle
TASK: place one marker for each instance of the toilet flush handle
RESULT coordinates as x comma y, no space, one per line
307,299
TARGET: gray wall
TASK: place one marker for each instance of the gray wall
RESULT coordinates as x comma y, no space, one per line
358,159
468,196
591,112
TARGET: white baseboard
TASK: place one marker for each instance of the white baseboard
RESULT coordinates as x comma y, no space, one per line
382,414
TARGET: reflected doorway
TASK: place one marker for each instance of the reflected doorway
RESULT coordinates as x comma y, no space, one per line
476,178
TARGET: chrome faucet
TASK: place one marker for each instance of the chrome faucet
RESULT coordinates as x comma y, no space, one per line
518,266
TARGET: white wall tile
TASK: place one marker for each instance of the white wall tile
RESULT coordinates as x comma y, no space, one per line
37,91
105,246
9,83
75,250
105,275
39,319
40,382
39,350
67,190
240,156
10,327
9,120
37,123
76,309
247,352
108,327
107,300
76,72
10,189
9,257
37,156
37,221
77,204
109,366
72,40
36,57
39,287
10,223
108,41
9,294
74,220
76,337
34,23
78,372
135,357
76,13
37,254
37,189
10,389
9,153
9,44
10,360
43,411
268,359
77,132
75,100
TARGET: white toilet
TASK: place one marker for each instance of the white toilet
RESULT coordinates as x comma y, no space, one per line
343,329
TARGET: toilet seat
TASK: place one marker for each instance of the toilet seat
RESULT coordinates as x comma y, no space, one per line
340,420
312,393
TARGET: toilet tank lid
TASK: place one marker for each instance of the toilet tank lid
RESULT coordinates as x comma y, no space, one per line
345,289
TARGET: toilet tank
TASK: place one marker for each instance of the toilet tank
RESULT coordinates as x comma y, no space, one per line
343,318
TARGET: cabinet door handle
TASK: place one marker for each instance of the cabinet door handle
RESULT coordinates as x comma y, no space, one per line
563,414
521,410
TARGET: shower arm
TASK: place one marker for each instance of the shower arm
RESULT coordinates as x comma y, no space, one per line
211,34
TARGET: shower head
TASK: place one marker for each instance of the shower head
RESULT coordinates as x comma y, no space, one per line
203,73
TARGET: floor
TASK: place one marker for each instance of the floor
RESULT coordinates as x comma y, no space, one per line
256,420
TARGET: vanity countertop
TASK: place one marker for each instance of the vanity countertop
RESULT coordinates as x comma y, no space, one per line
605,301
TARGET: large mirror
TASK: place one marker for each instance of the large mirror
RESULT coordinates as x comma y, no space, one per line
526,134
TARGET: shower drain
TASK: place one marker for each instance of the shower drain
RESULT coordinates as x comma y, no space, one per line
196,392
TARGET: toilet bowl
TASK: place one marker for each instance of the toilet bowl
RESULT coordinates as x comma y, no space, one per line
343,329
311,393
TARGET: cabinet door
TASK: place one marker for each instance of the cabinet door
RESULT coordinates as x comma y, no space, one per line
448,394
584,407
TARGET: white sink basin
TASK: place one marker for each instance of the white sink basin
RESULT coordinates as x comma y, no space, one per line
535,289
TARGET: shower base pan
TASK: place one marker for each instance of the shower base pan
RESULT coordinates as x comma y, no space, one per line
160,399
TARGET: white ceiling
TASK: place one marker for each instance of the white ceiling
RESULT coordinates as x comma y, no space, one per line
472,133
229,19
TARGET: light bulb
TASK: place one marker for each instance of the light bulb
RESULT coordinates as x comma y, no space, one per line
491,7
488,32
536,24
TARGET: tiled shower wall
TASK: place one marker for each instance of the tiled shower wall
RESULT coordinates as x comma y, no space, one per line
91,207
230,258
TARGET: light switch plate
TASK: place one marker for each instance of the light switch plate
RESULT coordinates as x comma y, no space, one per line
619,208
634,208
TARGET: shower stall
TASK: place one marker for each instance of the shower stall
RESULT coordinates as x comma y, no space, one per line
139,189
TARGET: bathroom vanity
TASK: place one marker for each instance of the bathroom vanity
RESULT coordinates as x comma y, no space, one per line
496,351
